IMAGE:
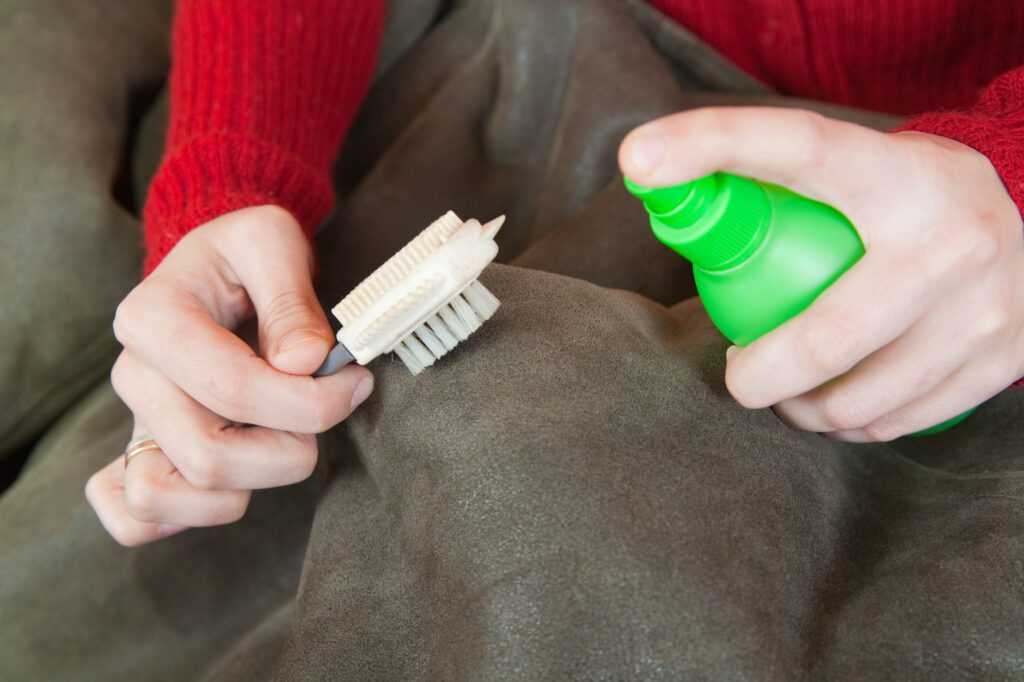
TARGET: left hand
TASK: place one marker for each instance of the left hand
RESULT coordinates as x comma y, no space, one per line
228,418
929,323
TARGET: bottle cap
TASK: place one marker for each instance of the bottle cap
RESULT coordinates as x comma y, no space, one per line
714,222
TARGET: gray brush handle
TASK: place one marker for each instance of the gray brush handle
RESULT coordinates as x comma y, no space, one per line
336,359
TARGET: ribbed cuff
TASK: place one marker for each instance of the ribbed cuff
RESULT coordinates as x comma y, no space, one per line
216,174
999,139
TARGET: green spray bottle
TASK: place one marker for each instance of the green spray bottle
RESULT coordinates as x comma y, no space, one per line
761,254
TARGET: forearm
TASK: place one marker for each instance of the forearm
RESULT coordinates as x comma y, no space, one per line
262,94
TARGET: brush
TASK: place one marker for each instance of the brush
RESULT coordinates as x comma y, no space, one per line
423,301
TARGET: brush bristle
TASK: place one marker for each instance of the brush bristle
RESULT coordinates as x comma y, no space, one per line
453,323
397,267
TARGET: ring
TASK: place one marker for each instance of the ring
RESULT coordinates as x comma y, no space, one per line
143,443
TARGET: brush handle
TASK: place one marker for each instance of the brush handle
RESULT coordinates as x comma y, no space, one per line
336,359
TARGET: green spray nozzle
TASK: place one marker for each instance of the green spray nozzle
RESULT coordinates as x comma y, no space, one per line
660,199
714,221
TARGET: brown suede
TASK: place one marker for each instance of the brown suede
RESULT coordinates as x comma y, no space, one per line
70,73
569,494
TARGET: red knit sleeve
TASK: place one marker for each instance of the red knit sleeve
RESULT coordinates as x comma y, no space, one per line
261,96
994,126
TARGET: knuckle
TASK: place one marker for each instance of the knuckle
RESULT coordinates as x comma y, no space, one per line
142,497
124,531
240,508
266,222
713,122
203,467
208,446
126,318
713,129
119,377
992,324
304,453
979,248
815,138
324,411
841,413
92,489
234,509
229,392
829,346
945,260
123,536
737,387
276,218
883,430
204,471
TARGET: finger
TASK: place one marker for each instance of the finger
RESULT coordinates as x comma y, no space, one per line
210,452
895,375
155,492
851,319
105,493
176,336
823,158
295,336
958,393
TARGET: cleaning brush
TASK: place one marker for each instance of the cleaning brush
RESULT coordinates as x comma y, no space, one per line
423,301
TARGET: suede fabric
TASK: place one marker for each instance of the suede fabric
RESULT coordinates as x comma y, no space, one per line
571,493
70,74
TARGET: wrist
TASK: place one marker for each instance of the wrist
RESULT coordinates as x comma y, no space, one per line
999,140
213,175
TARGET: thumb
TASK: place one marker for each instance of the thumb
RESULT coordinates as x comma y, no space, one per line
276,271
822,158
295,336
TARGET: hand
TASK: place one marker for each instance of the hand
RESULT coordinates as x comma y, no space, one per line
228,420
929,323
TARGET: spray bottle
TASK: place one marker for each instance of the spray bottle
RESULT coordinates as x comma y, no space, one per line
761,254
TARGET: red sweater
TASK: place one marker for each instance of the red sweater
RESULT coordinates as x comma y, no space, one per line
263,92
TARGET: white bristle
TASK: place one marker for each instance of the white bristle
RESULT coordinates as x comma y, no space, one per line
445,334
465,312
431,341
407,357
483,301
454,322
422,353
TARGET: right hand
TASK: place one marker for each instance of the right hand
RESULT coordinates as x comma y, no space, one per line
227,420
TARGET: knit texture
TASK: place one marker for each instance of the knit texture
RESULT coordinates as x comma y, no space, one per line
261,96
263,92
898,56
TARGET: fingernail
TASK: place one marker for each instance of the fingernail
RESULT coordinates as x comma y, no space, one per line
165,529
646,151
297,338
362,392
731,352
